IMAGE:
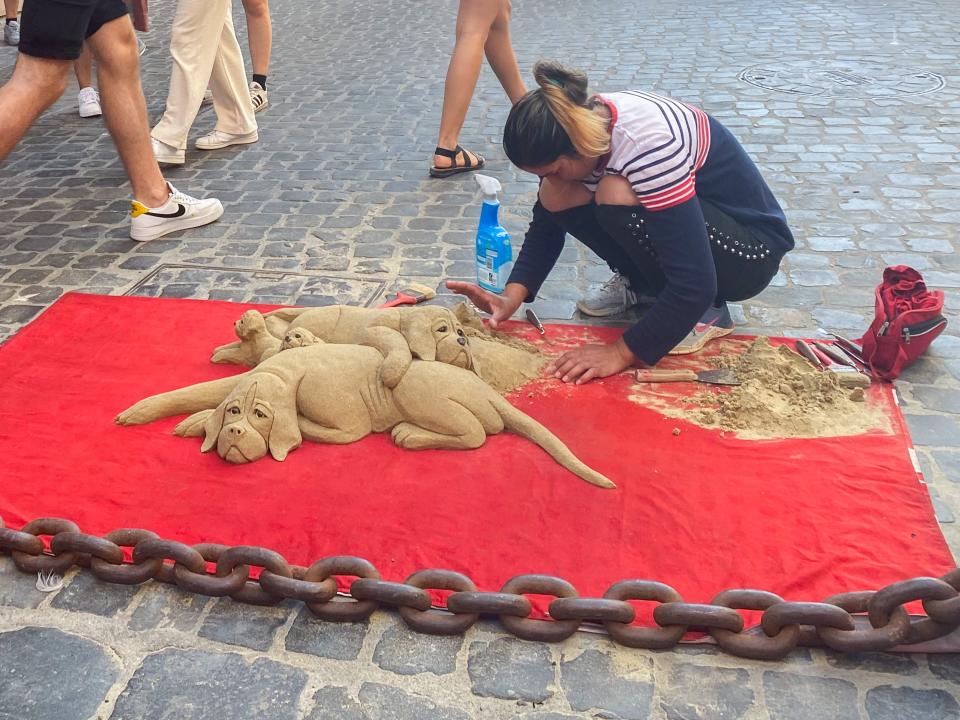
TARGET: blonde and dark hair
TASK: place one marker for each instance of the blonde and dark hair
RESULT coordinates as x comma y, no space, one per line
556,119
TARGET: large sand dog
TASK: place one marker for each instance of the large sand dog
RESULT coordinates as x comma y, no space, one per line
336,394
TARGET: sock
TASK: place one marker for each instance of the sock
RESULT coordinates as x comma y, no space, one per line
261,80
11,20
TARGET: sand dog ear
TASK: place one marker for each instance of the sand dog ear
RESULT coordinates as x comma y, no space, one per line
212,427
419,334
285,432
194,425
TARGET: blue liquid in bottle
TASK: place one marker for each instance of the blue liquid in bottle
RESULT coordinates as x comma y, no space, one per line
494,251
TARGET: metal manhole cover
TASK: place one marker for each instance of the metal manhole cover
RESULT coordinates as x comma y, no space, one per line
272,287
842,78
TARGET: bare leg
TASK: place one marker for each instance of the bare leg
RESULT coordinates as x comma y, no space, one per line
473,27
499,52
115,47
259,34
83,68
36,84
11,7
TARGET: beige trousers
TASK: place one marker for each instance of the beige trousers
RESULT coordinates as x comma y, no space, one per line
205,50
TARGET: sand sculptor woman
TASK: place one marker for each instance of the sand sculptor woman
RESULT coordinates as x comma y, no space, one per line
661,191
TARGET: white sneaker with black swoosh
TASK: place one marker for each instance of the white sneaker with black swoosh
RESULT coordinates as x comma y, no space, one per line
180,212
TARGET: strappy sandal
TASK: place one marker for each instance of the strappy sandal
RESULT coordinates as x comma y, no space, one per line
455,168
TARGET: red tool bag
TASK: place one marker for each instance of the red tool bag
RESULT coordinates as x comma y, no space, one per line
908,318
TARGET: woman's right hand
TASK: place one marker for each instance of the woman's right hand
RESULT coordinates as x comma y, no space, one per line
500,307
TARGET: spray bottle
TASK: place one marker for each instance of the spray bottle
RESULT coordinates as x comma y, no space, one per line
494,252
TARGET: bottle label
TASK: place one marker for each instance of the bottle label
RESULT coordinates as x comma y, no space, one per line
491,274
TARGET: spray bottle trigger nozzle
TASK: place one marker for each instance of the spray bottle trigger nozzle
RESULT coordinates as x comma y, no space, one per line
489,186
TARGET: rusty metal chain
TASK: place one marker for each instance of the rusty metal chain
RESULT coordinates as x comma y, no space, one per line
848,622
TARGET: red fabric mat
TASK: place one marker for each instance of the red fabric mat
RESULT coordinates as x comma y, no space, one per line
702,512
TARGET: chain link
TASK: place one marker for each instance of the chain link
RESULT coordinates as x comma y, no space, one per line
849,622
530,629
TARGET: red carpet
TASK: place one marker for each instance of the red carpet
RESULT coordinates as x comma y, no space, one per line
803,518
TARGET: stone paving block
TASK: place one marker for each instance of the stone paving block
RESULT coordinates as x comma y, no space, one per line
338,641
46,674
592,682
694,692
405,652
945,666
840,319
18,314
382,702
85,593
937,398
237,623
200,685
18,589
167,606
511,669
949,464
937,430
791,696
889,663
541,715
889,702
926,370
946,346
335,702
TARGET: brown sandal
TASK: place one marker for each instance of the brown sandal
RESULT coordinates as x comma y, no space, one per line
455,168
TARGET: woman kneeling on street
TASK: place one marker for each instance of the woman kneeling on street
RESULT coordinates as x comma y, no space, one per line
662,192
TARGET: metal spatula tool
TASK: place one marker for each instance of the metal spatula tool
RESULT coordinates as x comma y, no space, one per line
722,376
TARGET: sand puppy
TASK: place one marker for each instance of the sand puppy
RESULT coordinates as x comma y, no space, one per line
334,394
401,334
299,337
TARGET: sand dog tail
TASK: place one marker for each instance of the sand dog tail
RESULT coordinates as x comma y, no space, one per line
522,424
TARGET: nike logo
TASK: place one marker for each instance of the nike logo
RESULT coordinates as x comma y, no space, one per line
181,210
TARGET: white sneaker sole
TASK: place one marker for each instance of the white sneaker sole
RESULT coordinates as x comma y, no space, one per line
90,114
605,312
171,159
240,140
259,108
692,344
185,223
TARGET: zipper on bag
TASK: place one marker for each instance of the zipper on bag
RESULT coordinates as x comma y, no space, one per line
922,328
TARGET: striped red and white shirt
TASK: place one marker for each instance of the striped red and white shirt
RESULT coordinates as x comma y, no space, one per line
658,144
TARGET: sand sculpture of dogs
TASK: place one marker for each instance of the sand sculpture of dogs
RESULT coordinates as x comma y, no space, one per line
334,394
401,334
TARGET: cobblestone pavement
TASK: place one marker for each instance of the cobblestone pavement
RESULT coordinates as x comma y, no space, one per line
851,109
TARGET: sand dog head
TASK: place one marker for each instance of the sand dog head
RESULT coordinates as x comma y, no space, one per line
299,337
250,324
434,333
260,415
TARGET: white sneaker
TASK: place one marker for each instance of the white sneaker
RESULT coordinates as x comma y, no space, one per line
179,212
258,96
611,298
11,33
89,101
217,140
167,154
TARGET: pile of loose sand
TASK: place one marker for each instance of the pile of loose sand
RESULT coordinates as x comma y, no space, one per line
505,362
781,395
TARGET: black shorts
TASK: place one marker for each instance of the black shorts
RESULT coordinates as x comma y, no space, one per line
56,29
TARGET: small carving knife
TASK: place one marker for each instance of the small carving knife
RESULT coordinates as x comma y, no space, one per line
535,321
721,376
809,354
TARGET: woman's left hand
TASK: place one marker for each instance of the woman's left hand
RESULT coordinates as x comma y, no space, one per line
592,361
